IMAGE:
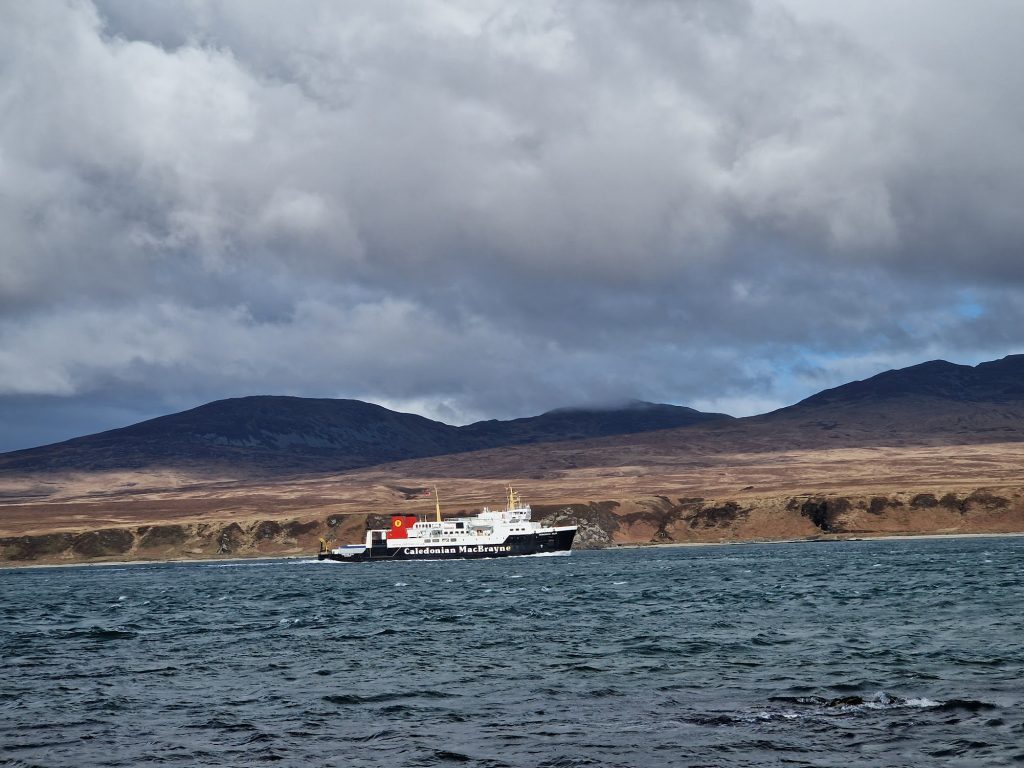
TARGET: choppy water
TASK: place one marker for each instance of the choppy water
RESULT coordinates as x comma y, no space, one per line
902,653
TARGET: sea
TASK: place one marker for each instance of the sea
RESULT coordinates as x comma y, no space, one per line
858,653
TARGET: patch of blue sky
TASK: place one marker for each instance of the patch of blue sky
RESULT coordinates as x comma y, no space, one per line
969,310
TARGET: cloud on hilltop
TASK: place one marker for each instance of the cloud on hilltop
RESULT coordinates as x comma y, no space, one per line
475,209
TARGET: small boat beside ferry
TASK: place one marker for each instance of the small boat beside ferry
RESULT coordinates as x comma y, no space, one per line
507,532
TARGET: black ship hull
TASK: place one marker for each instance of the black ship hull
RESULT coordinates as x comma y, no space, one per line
514,546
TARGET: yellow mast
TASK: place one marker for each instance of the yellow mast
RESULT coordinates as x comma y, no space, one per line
437,504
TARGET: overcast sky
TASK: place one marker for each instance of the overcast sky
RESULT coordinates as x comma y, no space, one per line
478,209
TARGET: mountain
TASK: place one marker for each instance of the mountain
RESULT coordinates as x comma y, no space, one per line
933,404
998,381
294,434
579,423
258,430
933,401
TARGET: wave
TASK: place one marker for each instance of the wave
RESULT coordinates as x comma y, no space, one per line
883,700
349,699
451,757
100,633
814,707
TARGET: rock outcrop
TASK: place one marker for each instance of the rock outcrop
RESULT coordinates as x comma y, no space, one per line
597,521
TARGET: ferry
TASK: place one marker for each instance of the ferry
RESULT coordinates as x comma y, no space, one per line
507,532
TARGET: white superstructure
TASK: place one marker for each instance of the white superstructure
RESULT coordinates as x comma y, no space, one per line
491,532
487,527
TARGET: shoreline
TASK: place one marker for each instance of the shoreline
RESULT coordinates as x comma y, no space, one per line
652,546
169,561
852,539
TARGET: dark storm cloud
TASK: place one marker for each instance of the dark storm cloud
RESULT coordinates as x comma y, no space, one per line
473,209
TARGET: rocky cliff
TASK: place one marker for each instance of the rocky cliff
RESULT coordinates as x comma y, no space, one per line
608,523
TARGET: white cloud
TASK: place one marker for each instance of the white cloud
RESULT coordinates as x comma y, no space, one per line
501,208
